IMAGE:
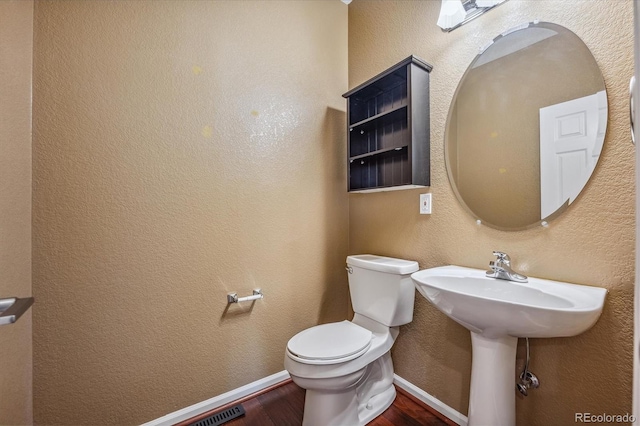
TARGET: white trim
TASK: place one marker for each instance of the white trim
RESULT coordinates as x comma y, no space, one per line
218,401
431,401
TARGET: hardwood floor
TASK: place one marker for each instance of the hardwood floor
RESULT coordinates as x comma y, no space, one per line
283,405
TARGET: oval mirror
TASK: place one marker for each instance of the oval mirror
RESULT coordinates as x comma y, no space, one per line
526,126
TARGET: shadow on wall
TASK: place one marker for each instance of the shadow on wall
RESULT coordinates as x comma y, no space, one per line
304,291
335,303
448,352
234,310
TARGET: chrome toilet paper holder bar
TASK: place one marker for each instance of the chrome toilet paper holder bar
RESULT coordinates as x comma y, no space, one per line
233,297
12,308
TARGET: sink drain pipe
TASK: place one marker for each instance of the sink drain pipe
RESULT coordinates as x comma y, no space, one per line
528,380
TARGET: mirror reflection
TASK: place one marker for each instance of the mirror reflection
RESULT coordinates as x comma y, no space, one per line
526,126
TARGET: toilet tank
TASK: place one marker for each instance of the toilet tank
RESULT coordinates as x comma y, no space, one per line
381,288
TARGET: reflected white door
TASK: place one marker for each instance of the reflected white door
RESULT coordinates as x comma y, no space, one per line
571,138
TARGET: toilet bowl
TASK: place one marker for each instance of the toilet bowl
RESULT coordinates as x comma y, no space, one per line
346,367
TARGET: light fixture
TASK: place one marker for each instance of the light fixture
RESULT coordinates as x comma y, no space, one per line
346,1
455,13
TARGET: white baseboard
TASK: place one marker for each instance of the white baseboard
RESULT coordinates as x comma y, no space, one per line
431,401
218,401
233,395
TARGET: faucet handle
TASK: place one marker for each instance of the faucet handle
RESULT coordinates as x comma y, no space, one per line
502,257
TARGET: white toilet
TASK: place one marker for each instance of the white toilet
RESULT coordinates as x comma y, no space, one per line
346,366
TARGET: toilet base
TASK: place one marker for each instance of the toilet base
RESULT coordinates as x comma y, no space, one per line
331,409
378,404
352,400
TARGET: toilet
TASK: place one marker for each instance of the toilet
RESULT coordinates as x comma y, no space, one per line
346,366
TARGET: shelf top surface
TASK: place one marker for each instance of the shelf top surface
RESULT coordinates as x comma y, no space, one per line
410,60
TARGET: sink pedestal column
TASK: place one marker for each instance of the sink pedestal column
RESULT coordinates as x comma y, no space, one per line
492,400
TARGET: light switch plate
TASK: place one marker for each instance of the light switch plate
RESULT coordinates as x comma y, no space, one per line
425,203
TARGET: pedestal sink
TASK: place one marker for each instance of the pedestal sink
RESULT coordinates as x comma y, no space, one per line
497,312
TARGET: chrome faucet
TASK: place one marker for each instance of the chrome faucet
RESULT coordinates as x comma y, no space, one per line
501,269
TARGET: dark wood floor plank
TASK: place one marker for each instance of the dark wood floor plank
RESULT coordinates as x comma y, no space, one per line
284,405
381,421
398,417
406,397
255,415
409,408
295,395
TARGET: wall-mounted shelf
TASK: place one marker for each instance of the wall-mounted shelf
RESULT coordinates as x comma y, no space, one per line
388,128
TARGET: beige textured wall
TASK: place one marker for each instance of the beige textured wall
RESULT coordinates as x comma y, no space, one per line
591,243
16,45
182,150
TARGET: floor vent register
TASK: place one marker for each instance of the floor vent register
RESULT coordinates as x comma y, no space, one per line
221,417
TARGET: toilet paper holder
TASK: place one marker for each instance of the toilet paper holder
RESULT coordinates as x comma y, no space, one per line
233,297
12,308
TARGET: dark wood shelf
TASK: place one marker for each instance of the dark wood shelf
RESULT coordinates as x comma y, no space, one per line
388,128
378,152
374,80
377,117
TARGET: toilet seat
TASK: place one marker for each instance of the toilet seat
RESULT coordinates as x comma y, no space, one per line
329,343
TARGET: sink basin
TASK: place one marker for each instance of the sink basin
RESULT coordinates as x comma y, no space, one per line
493,308
497,312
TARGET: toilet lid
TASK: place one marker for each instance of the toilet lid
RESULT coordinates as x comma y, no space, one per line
332,341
